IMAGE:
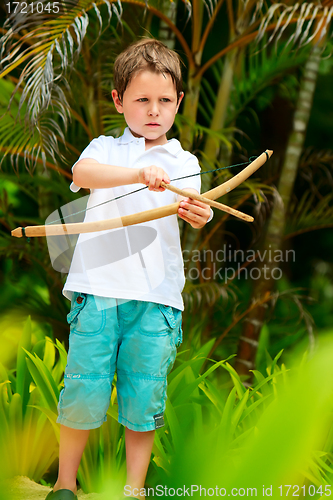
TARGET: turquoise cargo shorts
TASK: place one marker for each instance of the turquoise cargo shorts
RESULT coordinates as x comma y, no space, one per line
137,339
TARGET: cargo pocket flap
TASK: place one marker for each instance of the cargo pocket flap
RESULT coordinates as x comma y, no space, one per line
78,302
168,314
179,338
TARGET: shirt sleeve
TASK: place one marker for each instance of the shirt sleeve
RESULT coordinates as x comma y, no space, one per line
188,174
191,179
95,150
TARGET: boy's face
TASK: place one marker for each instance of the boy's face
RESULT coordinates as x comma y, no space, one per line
149,105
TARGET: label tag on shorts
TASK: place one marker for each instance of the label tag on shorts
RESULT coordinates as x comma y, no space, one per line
159,420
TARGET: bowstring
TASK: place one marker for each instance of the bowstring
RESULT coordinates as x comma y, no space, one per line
63,217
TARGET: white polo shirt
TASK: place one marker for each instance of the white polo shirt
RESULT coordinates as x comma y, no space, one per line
140,262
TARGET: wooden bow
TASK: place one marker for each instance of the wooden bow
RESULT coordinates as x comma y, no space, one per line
148,215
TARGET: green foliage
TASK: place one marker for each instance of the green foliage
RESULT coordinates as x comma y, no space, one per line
285,415
281,424
309,214
17,138
27,442
30,284
260,71
307,28
218,429
104,455
276,432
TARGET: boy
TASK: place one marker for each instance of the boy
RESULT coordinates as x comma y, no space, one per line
125,285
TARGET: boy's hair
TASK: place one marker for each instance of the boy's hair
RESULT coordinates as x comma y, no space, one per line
146,54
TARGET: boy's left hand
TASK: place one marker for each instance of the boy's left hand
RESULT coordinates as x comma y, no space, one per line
194,212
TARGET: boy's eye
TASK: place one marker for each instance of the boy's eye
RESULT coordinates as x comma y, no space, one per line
145,99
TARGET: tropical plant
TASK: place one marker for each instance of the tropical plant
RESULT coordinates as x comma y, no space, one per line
278,220
218,407
267,436
64,39
69,76
27,443
104,454
280,448
243,40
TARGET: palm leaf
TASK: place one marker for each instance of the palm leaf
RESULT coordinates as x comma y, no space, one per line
202,295
258,69
312,22
18,139
44,380
309,214
43,48
23,377
316,168
41,45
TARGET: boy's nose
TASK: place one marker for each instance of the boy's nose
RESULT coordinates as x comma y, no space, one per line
153,111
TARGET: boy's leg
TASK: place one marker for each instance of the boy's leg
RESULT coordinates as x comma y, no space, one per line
150,333
89,372
138,451
72,444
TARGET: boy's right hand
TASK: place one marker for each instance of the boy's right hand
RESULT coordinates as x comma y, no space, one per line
152,177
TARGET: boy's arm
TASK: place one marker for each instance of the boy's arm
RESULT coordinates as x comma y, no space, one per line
89,173
194,212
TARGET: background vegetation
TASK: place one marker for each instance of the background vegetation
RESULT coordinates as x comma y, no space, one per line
256,75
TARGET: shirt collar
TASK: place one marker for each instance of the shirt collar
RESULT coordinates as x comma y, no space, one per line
172,146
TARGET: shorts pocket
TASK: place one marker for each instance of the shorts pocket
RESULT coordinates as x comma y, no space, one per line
168,314
174,319
160,320
157,320
84,318
77,304
178,336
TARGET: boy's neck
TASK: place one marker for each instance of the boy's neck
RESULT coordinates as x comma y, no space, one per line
149,143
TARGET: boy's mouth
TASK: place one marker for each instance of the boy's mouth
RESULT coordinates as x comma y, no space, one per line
153,124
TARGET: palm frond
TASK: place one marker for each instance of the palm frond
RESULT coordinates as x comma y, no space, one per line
200,131
258,70
113,123
309,214
44,42
200,295
312,22
258,8
316,168
210,6
18,139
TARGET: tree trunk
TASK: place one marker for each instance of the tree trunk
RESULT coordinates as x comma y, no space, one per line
213,148
190,109
191,98
247,349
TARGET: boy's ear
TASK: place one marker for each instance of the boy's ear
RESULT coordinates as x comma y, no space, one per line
180,98
117,101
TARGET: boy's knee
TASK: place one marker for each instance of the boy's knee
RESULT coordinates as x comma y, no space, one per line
84,401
